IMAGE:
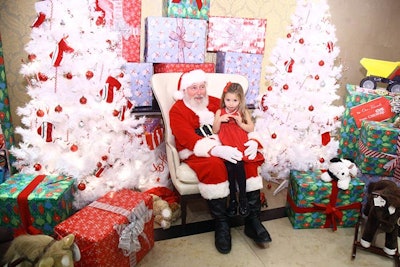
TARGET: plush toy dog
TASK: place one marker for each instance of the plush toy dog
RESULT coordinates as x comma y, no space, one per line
165,213
383,211
41,251
341,170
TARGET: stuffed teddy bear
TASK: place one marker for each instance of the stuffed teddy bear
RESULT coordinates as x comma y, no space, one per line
41,251
165,213
341,170
383,212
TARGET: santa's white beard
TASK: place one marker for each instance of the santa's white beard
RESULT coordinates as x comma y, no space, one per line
195,105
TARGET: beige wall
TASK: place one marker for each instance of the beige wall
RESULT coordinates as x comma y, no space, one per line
364,28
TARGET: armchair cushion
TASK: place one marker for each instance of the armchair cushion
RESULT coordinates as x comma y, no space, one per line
185,174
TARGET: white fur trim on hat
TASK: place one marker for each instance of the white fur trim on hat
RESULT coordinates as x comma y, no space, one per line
187,79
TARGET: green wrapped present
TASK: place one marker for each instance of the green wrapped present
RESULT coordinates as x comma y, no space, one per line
349,132
30,203
191,9
313,203
378,146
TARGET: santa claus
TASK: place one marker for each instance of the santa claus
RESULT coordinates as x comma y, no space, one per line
191,119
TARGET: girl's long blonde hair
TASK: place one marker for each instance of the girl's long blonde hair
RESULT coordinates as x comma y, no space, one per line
237,89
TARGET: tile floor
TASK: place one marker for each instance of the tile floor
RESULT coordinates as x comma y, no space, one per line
289,247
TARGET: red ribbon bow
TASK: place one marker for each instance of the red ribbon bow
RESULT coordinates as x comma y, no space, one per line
227,87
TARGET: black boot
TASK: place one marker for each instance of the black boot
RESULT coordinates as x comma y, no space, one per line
222,228
232,207
253,227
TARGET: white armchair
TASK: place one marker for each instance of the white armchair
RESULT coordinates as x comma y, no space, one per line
164,85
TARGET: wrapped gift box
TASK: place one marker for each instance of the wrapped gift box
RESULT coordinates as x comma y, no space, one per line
378,148
183,67
115,230
154,138
243,35
140,83
313,203
248,65
349,132
124,16
35,201
194,9
175,40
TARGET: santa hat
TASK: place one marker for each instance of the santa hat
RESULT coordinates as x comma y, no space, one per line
187,79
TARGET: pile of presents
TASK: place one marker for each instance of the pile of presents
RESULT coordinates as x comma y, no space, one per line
179,41
370,138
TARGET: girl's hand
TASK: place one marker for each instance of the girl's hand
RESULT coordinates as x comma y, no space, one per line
225,118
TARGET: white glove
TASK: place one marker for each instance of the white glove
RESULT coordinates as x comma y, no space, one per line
251,150
228,153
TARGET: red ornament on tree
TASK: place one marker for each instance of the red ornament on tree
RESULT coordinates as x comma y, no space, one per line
273,136
115,113
269,88
316,77
321,63
121,75
68,75
58,109
42,77
311,108
301,40
89,74
74,148
31,57
83,100
104,157
288,35
322,160
37,167
285,87
81,186
40,113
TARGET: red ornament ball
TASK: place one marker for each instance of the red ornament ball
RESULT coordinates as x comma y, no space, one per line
316,77
68,75
273,136
89,74
121,75
269,88
74,148
285,87
37,167
288,35
104,157
58,109
301,40
311,108
40,113
31,57
321,63
115,113
42,77
81,186
83,100
322,160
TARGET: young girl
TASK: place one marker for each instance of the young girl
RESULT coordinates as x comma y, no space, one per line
232,123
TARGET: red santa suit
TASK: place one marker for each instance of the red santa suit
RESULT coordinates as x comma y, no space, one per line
194,150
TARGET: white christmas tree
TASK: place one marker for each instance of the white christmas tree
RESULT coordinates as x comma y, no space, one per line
78,120
297,116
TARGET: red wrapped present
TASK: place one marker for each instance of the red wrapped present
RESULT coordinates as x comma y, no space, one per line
124,16
116,230
183,67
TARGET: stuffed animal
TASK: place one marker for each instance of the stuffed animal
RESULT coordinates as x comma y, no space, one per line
383,212
165,213
341,170
41,251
